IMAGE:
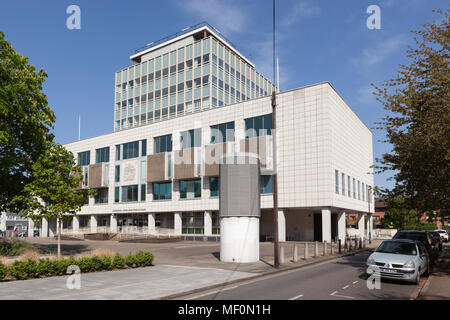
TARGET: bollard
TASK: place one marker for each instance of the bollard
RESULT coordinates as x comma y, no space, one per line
295,253
324,248
350,244
306,251
345,245
365,243
360,243
356,243
316,249
281,255
340,246
332,248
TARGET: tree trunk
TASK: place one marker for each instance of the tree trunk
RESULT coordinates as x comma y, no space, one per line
59,237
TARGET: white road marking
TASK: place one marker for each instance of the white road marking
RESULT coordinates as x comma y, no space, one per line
355,282
340,296
346,287
296,297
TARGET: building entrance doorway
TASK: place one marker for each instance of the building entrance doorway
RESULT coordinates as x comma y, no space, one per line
318,227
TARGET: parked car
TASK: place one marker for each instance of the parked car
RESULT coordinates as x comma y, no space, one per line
443,234
425,238
437,239
400,259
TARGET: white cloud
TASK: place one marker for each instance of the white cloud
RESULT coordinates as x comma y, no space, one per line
371,57
228,16
299,11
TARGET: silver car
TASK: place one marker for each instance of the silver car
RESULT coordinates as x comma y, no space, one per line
399,259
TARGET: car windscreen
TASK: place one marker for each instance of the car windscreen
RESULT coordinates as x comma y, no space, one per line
412,236
397,248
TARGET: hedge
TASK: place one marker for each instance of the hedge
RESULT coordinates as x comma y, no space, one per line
21,270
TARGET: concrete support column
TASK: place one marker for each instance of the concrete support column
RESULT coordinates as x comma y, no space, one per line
177,223
30,227
326,224
113,223
52,225
208,223
151,223
369,226
342,226
44,228
361,228
93,224
75,224
281,226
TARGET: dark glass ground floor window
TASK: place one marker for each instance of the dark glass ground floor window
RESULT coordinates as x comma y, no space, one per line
266,184
192,223
162,191
130,193
215,223
214,186
190,189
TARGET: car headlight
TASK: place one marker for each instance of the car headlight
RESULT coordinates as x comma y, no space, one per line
409,264
371,261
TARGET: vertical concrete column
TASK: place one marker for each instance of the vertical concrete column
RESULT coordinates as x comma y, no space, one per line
326,224
177,223
151,223
361,225
113,223
369,226
208,223
30,227
342,226
52,227
281,226
44,228
76,224
93,224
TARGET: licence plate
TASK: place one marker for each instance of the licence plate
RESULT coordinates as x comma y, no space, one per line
388,271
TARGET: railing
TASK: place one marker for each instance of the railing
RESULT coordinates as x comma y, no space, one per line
179,33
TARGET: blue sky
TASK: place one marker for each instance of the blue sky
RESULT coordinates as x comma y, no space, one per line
318,40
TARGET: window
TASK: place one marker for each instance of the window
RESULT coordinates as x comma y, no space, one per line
258,126
84,158
222,133
354,188
117,174
163,144
144,148
336,181
191,139
102,155
348,187
143,192
190,189
363,189
130,150
117,194
359,190
162,191
192,223
130,193
343,184
101,197
215,223
214,186
266,184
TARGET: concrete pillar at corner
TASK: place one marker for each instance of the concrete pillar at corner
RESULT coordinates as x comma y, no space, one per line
240,208
177,223
52,226
75,224
30,227
208,223
151,224
326,225
113,223
361,228
342,224
281,226
369,226
93,224
44,228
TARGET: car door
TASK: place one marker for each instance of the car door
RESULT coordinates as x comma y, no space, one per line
423,257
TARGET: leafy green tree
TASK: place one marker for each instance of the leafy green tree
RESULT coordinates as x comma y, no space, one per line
55,188
417,123
398,215
25,123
